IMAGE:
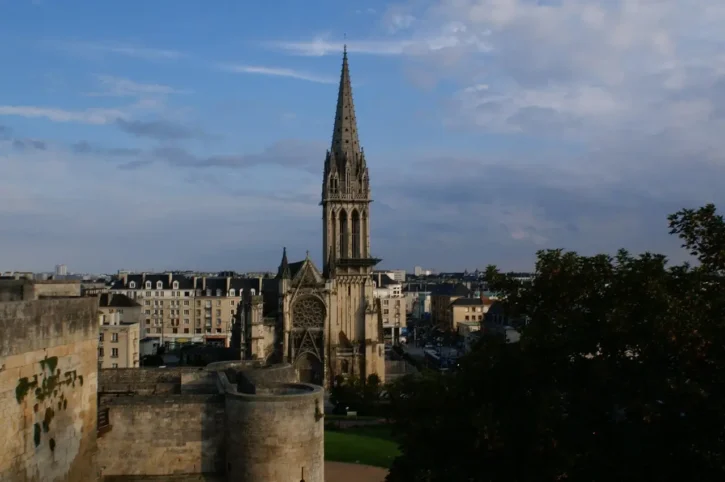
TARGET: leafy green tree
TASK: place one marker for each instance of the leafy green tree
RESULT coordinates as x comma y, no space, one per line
358,395
619,375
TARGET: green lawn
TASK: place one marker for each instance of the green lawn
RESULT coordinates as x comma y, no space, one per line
371,445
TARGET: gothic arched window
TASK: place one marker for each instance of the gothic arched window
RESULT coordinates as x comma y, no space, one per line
333,241
343,234
355,234
364,236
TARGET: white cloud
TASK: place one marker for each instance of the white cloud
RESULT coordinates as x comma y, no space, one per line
86,116
147,98
580,66
278,72
42,195
320,46
398,18
120,87
95,49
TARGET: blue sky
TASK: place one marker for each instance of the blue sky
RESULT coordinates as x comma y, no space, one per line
191,135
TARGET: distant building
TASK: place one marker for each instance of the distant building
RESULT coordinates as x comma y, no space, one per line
497,322
119,331
179,309
397,274
442,296
418,299
419,271
392,302
464,310
61,270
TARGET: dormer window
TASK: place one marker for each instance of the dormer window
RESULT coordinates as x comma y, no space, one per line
132,284
176,285
253,291
198,292
159,285
218,292
148,285
231,292
208,292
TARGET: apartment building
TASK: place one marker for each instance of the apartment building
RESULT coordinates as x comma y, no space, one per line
179,309
467,313
417,299
392,301
442,296
118,342
119,331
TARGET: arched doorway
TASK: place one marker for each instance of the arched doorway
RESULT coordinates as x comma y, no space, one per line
309,368
307,336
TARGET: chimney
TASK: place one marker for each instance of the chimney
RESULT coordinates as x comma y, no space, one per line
229,284
124,277
143,278
203,284
171,278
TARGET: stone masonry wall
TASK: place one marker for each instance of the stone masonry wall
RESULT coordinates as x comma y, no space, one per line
16,290
275,438
147,381
27,290
48,383
163,435
56,288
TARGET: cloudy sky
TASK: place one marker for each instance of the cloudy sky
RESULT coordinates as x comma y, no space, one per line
191,135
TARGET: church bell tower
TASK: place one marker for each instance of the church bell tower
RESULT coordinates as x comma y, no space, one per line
346,192
356,331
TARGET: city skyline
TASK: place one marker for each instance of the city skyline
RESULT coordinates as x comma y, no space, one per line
195,138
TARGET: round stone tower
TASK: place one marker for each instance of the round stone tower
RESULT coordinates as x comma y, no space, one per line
274,425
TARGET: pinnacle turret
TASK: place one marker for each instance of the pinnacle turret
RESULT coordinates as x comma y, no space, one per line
283,272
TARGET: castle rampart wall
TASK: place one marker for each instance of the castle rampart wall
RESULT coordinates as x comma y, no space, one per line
163,435
275,434
48,382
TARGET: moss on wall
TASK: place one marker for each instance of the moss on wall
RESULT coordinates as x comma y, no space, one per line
49,363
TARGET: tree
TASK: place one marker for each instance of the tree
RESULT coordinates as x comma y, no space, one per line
619,375
357,394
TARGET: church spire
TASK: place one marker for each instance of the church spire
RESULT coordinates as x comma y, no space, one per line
345,142
283,272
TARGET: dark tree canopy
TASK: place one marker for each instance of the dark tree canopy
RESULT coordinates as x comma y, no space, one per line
619,375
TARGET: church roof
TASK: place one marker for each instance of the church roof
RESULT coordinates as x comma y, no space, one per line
295,268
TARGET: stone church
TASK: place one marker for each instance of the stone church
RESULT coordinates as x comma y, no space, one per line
326,323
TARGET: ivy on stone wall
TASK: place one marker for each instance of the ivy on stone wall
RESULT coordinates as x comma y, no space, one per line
46,386
24,386
36,434
49,363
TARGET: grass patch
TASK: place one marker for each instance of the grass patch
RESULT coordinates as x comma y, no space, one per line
330,416
370,445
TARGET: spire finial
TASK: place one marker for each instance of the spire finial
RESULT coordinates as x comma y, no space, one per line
284,271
